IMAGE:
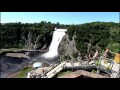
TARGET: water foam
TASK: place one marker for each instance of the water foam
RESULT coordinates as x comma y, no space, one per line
56,39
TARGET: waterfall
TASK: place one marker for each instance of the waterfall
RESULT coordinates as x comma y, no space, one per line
56,39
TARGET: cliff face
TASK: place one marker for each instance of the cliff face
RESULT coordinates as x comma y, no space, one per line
41,43
67,47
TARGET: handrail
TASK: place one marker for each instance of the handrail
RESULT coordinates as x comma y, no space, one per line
53,66
73,60
52,71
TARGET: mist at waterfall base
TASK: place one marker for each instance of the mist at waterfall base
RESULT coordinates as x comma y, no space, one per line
52,55
11,65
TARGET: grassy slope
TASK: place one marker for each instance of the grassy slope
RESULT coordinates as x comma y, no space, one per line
23,73
63,73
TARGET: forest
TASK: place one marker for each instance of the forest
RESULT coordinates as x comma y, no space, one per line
88,36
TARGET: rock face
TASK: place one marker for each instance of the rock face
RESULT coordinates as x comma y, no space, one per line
12,62
18,55
11,65
67,47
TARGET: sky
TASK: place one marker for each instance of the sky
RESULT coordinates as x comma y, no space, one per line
61,17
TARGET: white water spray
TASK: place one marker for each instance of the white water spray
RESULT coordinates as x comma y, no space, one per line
56,39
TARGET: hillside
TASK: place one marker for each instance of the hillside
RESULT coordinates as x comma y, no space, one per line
83,38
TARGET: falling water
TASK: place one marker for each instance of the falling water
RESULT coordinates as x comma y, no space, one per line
56,39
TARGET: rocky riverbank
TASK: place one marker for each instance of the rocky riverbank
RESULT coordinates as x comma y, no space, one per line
14,61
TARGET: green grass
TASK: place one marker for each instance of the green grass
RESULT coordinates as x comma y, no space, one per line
105,61
93,71
97,63
64,73
23,72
